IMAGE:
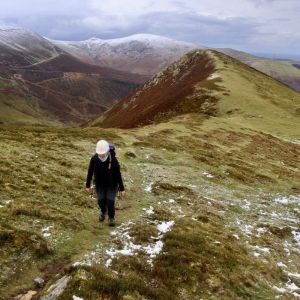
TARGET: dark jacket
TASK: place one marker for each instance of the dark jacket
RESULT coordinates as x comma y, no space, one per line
102,175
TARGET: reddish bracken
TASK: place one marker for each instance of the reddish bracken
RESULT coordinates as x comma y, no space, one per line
161,94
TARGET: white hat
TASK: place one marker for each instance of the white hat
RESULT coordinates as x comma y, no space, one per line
102,147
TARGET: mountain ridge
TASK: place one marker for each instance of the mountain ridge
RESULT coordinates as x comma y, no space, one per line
233,90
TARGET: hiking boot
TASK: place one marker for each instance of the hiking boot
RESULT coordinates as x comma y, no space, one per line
112,222
101,217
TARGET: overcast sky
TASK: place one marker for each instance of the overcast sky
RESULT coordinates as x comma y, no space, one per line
264,26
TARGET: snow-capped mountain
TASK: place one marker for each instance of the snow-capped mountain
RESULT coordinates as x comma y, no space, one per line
20,46
65,88
144,54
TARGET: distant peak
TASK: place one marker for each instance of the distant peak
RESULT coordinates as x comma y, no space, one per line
14,28
94,39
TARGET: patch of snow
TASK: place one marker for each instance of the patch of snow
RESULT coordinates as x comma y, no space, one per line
246,204
292,286
6,202
81,263
131,249
149,211
247,229
289,287
288,200
156,248
45,230
274,214
261,230
153,250
108,263
263,249
192,186
296,235
296,295
294,275
77,298
281,265
286,247
127,251
208,175
296,221
165,226
213,76
148,188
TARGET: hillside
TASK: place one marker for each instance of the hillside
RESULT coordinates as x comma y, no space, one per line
21,47
64,88
73,91
19,107
212,84
148,54
143,54
74,82
283,70
212,204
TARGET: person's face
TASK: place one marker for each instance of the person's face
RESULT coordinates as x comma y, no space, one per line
102,155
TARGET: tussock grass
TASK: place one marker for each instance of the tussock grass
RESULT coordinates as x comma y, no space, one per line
190,266
22,239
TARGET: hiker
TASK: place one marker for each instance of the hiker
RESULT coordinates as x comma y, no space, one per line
105,168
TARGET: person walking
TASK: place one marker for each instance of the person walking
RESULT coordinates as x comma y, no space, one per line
105,168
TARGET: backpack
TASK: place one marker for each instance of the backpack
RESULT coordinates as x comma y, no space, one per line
112,150
111,154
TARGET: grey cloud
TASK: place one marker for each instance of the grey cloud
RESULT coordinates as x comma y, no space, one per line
75,20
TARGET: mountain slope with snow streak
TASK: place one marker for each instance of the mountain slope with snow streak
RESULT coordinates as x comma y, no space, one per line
21,47
144,54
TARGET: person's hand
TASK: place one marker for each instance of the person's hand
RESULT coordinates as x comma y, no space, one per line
88,190
122,194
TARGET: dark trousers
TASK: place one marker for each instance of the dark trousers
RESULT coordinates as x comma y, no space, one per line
106,200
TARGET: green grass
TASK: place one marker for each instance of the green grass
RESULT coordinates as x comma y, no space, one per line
19,108
212,167
43,172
